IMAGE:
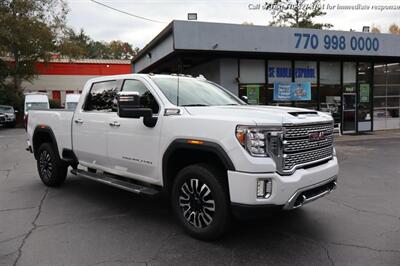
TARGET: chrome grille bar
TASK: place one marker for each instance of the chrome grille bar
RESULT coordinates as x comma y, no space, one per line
299,145
299,149
291,132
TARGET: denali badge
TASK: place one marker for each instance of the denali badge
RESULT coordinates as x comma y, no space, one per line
315,136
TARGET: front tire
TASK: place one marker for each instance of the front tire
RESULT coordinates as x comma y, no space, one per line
200,201
52,170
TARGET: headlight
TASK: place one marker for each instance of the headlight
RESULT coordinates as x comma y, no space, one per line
259,141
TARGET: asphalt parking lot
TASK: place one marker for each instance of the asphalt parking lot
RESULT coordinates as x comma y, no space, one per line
86,223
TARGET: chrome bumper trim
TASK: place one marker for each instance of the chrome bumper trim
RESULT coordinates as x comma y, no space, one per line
291,202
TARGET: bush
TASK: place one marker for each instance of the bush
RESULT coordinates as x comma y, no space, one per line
54,104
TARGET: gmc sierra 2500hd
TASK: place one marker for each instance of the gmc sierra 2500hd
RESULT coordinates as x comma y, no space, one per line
208,151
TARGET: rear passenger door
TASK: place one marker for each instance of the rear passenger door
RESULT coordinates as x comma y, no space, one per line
90,125
133,148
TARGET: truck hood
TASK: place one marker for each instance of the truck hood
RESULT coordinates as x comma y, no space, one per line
260,114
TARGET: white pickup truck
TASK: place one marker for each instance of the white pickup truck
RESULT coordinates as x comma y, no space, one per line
208,151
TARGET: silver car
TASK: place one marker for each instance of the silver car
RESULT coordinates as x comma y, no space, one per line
8,116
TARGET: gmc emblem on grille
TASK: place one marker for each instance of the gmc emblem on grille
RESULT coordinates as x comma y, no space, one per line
316,136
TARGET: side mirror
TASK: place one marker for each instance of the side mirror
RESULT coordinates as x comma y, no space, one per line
15,111
245,99
128,105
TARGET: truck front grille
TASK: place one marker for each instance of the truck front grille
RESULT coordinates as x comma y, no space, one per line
293,132
304,145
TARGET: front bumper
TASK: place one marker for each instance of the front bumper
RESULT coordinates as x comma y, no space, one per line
288,192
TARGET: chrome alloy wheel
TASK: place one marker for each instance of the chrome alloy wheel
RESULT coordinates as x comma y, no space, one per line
45,165
197,203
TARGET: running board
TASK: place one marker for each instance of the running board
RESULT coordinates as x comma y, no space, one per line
115,182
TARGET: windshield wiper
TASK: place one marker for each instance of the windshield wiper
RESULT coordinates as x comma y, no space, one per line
195,104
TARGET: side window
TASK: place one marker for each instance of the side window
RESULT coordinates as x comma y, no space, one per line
146,99
101,96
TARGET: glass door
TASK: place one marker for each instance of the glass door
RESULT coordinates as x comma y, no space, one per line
349,112
349,98
364,106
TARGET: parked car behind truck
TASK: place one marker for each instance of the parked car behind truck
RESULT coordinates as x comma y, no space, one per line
8,116
212,154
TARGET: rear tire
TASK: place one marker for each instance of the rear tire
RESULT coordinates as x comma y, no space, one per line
11,125
52,170
200,201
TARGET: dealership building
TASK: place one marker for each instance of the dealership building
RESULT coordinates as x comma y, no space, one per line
353,75
60,77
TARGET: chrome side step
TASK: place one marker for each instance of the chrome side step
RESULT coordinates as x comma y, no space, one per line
116,182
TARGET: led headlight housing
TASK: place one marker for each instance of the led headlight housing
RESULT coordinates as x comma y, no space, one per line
260,141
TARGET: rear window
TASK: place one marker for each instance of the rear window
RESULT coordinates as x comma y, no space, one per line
36,106
101,96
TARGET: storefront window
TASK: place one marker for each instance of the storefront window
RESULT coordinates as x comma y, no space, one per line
330,89
386,95
306,72
255,93
278,72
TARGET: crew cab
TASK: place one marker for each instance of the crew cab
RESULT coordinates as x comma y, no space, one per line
205,149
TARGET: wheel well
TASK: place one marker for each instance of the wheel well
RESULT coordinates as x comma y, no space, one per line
180,158
40,137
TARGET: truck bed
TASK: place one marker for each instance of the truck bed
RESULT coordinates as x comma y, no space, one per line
58,120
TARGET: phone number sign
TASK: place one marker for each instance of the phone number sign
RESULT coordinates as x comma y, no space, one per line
336,42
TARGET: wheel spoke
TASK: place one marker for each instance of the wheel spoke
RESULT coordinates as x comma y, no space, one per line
185,189
197,222
204,191
209,205
194,183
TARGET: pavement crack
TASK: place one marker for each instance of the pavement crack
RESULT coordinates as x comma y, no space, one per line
11,239
109,262
34,226
315,242
361,210
364,247
17,209
105,217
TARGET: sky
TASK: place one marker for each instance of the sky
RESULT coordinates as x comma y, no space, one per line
103,24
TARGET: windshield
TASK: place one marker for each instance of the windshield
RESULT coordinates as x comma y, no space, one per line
194,92
7,109
36,106
71,105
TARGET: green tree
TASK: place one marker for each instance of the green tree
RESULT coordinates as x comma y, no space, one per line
297,13
375,29
80,45
394,29
28,32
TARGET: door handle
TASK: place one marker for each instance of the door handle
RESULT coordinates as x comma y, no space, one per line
114,124
78,121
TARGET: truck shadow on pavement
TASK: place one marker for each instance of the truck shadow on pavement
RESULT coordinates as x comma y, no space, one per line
279,236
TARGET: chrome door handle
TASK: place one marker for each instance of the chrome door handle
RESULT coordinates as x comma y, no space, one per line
114,124
78,121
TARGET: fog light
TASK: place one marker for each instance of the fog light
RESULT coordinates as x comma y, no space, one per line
264,188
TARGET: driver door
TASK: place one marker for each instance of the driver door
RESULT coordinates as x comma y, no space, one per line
133,148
